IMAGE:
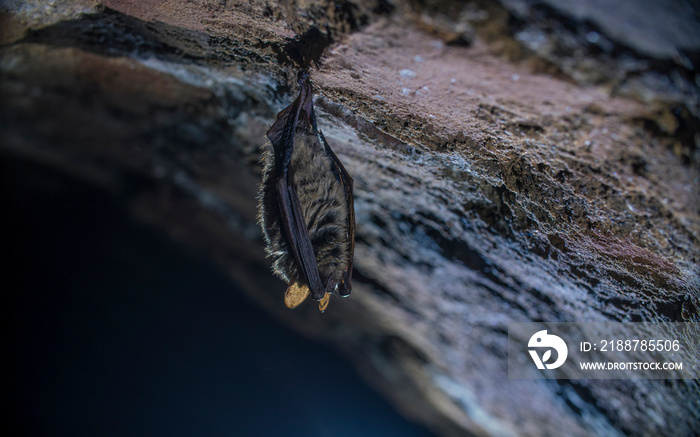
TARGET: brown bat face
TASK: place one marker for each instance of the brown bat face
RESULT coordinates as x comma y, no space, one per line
306,207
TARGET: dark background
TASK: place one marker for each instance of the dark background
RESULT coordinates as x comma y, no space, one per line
115,330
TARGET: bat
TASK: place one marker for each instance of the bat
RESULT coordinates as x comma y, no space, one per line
306,206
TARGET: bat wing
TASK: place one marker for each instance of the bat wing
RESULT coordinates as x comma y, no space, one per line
345,287
281,134
298,236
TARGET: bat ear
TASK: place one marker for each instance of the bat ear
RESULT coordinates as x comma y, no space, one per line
323,303
295,295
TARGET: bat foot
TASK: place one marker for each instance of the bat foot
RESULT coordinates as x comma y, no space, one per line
344,288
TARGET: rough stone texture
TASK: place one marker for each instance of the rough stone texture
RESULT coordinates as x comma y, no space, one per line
486,191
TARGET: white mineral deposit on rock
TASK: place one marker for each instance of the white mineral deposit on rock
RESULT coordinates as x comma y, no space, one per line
409,74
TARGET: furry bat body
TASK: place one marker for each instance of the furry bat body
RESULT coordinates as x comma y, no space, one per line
306,206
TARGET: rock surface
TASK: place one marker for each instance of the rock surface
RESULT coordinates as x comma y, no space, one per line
486,190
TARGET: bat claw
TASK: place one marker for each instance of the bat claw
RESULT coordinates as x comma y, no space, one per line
323,303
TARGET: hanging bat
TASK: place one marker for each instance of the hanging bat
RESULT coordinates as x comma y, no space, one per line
306,206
